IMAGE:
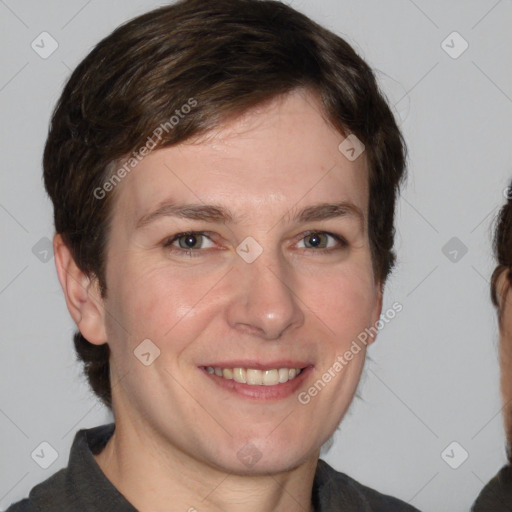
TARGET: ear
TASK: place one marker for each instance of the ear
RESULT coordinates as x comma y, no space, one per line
377,310
83,297
502,287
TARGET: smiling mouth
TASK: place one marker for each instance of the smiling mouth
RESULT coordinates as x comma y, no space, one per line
255,377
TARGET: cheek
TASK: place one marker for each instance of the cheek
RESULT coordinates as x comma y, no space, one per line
343,300
162,302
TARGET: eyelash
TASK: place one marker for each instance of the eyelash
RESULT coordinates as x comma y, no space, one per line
167,243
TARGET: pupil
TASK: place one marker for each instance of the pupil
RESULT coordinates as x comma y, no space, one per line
190,240
314,240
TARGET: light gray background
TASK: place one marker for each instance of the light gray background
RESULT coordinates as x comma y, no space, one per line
433,378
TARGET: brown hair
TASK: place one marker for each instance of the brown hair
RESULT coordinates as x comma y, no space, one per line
229,56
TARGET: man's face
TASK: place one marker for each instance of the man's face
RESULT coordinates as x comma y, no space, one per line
505,301
300,303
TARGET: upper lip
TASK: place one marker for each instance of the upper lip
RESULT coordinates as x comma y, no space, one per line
258,365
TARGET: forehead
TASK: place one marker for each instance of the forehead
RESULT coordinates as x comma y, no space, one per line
270,158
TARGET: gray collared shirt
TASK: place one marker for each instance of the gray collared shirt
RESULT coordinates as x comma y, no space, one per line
83,487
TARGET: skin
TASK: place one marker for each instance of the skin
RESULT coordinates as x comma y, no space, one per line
177,433
505,350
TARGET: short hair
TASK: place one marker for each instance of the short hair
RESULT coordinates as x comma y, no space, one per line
227,56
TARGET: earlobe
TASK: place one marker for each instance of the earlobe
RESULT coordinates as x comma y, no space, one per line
83,298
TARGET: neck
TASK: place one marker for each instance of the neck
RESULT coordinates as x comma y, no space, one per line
151,476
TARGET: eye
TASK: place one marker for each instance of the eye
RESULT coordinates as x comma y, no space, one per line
187,243
320,240
190,243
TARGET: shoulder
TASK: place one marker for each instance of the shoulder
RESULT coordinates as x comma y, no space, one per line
79,484
335,488
43,494
497,494
22,506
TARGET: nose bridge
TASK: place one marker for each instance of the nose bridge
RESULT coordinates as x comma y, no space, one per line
265,302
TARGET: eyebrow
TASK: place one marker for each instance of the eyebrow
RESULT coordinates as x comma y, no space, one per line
217,213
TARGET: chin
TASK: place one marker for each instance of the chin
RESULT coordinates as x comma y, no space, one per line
260,457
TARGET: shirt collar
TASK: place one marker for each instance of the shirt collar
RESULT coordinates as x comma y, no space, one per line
85,479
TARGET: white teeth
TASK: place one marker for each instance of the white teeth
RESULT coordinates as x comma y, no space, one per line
255,377
270,377
283,374
240,375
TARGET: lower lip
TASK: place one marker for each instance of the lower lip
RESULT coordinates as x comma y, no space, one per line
265,393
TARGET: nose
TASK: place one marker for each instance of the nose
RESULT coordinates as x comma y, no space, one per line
265,303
